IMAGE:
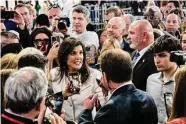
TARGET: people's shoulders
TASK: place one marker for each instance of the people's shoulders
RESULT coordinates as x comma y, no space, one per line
181,120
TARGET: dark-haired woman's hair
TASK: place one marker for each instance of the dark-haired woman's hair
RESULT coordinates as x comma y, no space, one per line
179,100
65,49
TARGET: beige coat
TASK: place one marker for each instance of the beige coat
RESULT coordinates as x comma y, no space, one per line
74,105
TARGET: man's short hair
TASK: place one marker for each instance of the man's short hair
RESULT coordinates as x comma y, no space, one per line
20,5
24,89
117,65
82,9
116,10
34,60
166,43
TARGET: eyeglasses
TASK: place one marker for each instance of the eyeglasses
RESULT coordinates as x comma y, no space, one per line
46,40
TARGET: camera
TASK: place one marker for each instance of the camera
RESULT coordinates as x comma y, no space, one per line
7,15
178,57
64,20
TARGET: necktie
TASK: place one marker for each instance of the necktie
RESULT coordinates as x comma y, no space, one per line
135,58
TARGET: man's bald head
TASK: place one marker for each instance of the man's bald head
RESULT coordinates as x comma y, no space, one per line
143,25
140,34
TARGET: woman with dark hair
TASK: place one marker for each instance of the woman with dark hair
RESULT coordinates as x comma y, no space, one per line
178,113
72,59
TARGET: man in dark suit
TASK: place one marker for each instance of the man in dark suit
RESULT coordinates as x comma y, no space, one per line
140,38
126,105
116,29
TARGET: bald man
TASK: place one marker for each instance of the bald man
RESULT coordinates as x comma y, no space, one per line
116,28
172,24
140,38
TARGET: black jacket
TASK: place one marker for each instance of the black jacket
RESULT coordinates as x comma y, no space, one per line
143,68
127,105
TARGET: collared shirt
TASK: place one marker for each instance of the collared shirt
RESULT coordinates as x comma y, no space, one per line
156,87
121,43
142,52
110,93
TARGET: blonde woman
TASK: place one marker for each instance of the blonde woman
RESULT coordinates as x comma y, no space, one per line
107,45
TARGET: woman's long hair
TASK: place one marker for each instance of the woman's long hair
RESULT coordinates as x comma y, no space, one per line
179,101
65,49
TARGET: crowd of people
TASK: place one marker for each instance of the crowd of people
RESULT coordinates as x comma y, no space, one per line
131,71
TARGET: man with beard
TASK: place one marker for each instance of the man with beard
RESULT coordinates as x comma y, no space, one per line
163,81
140,38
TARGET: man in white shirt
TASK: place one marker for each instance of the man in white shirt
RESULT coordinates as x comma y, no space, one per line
80,19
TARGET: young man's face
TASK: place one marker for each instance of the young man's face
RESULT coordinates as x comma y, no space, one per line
162,61
79,22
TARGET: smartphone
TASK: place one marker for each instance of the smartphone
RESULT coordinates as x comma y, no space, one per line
7,14
90,52
53,104
74,82
168,98
54,39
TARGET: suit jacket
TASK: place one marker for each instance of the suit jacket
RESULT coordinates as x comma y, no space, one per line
127,105
127,47
143,68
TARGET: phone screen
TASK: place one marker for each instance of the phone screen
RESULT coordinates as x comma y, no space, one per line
54,39
53,104
74,82
168,97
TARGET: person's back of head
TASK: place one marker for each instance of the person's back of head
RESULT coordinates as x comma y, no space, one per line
42,20
4,73
8,61
25,89
34,60
116,10
166,43
179,100
117,65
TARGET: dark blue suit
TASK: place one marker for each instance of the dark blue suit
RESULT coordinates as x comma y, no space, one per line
143,68
127,105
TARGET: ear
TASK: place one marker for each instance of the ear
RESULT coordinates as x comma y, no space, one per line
88,20
104,77
145,35
123,32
